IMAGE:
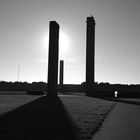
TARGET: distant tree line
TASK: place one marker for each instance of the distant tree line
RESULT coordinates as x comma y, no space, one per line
108,86
99,89
108,90
22,86
42,86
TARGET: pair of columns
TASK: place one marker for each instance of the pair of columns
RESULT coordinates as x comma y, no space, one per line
53,57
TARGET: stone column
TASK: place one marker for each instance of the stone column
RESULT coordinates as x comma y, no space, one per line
61,75
90,55
53,58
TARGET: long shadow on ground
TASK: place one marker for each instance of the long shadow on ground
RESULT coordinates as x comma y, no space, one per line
121,100
41,119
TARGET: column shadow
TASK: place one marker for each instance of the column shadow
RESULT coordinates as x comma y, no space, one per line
43,119
121,100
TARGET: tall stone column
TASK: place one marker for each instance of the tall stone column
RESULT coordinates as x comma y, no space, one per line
61,75
53,58
90,55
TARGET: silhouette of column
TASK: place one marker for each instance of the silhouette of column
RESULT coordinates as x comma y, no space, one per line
61,73
90,54
53,58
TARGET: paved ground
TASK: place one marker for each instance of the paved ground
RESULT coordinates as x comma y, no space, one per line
123,123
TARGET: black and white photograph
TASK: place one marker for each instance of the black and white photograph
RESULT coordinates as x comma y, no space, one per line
69,69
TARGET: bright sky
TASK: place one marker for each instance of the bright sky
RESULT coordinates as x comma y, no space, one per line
24,26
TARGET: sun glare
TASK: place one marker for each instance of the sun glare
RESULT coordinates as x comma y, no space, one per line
64,43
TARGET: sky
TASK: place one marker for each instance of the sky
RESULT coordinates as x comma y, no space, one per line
24,28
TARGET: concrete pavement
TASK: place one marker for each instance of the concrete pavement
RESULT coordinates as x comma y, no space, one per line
123,123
